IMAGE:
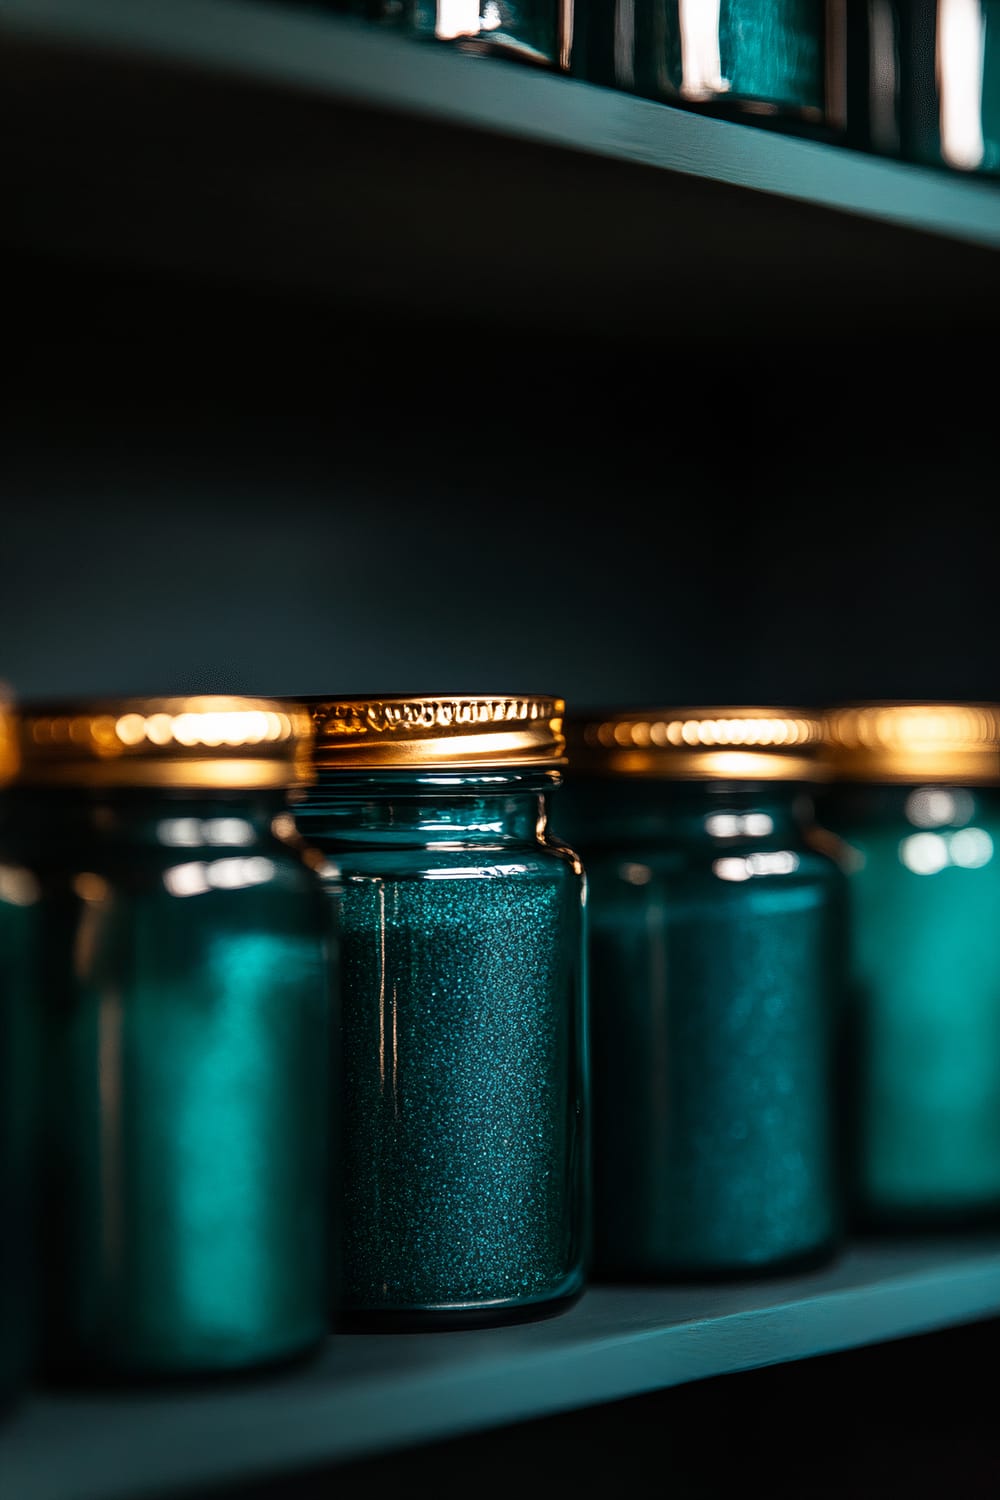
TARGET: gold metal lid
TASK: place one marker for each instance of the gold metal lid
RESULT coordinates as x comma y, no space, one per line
732,744
9,754
913,741
431,731
197,743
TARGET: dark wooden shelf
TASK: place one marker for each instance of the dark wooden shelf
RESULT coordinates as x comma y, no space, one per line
370,1394
294,149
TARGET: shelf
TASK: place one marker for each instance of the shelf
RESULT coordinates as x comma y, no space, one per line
298,149
372,1394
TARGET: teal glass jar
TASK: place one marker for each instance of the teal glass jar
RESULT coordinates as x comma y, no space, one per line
529,31
715,926
915,800
778,63
462,942
924,82
19,893
188,1036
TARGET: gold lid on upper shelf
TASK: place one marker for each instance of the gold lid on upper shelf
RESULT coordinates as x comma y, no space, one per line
428,731
910,741
206,742
734,744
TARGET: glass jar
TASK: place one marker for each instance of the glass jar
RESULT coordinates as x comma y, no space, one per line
18,1096
530,31
187,1010
915,799
715,960
462,938
925,82
778,63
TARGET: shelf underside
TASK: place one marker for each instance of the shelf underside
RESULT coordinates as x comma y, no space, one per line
294,150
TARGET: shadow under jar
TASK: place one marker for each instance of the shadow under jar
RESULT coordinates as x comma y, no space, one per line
461,924
715,959
186,1056
915,798
19,894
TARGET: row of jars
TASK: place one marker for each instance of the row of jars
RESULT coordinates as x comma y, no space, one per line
917,80
393,1012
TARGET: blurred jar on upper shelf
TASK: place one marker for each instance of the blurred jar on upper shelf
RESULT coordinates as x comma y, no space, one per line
777,63
924,82
185,998
914,796
530,31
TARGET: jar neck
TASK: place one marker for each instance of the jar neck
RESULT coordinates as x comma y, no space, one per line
43,817
607,810
427,809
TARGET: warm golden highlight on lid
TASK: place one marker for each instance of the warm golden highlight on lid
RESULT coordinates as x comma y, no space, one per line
9,753
430,731
737,743
197,742
908,741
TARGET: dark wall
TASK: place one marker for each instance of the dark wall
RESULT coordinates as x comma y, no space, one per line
203,491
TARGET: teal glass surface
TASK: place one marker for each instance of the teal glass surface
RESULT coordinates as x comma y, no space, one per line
464,1032
924,1028
187,1045
925,82
715,940
18,1101
531,31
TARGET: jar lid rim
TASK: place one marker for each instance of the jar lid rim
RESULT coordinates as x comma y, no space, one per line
437,730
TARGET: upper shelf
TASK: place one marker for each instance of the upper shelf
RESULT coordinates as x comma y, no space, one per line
370,1394
292,147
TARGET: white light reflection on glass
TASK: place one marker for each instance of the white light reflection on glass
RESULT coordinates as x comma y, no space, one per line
961,50
927,853
18,887
194,833
734,825
701,64
970,848
883,125
937,806
456,18
774,862
199,876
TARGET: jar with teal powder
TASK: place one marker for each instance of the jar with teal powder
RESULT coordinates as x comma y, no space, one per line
915,800
465,1071
19,893
778,63
188,1036
715,943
